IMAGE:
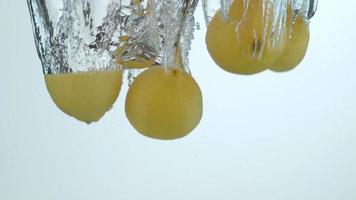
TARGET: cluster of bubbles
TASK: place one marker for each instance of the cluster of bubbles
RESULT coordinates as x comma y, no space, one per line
85,35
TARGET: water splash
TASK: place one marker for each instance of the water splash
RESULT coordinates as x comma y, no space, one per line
75,35
85,35
170,31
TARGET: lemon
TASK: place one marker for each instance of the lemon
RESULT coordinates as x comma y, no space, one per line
164,104
297,45
244,44
85,96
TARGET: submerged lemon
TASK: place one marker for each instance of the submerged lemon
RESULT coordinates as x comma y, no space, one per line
85,96
135,61
164,104
244,43
297,45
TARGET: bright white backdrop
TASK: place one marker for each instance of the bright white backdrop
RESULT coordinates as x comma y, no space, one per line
270,136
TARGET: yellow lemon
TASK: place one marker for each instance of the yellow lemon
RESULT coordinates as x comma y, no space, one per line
244,44
297,45
85,96
164,104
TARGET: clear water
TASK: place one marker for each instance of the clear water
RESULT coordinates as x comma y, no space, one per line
83,35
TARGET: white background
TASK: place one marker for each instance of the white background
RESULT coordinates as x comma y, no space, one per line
288,136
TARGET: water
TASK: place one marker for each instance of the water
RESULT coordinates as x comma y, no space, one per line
75,35
173,25
83,35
